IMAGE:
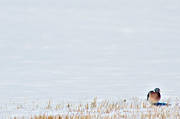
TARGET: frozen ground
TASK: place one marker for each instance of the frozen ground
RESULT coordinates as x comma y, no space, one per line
133,108
84,48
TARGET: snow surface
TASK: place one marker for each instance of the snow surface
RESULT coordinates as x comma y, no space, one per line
78,48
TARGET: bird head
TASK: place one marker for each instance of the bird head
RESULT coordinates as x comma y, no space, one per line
157,90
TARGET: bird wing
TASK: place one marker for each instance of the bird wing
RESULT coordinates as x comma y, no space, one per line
149,94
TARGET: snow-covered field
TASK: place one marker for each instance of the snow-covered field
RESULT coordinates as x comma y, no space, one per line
78,49
133,108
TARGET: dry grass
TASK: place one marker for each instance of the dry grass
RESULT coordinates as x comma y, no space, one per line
105,109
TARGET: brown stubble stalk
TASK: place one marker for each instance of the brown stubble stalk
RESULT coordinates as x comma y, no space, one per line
123,109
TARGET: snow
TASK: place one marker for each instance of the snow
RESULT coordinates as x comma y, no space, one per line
74,49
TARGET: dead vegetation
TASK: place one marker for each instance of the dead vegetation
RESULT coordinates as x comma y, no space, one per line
105,109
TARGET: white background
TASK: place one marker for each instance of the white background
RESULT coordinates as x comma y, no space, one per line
76,48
